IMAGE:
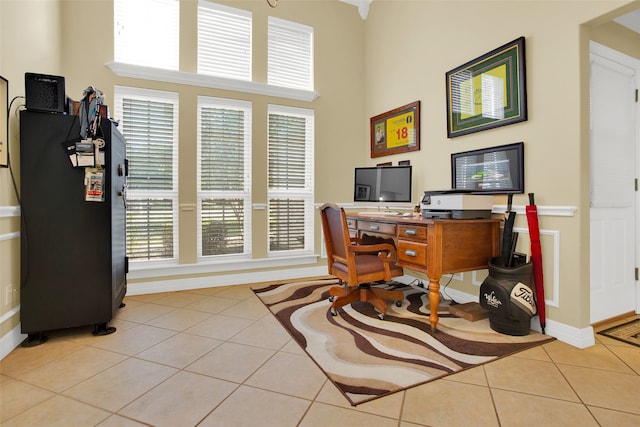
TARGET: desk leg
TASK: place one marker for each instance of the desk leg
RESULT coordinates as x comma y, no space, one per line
434,301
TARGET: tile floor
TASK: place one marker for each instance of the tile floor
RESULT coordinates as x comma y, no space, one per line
216,357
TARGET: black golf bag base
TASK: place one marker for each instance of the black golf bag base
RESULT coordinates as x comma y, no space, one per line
507,326
507,293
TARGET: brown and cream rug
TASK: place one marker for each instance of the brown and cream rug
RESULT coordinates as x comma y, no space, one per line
628,332
366,357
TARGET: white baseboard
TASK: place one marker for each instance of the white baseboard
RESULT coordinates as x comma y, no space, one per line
10,341
224,280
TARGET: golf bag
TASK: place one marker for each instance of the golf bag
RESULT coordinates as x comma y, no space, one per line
507,293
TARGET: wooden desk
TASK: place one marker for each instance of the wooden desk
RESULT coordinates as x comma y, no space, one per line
433,246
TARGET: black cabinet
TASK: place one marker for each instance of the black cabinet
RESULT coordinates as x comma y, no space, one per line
73,254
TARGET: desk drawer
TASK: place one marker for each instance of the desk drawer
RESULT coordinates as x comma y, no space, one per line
352,224
412,253
415,232
377,227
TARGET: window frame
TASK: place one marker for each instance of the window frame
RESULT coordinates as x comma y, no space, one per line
122,92
306,194
246,193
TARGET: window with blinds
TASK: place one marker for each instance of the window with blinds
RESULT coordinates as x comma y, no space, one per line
147,32
224,176
290,179
224,41
149,122
290,54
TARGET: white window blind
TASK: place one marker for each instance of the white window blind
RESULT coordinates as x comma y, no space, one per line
224,41
290,179
224,176
149,122
147,32
290,51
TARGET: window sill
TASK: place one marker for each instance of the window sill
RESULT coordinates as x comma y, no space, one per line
193,79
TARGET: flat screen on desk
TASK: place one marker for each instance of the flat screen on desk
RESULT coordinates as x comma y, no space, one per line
382,184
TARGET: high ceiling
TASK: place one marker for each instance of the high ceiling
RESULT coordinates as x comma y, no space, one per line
631,20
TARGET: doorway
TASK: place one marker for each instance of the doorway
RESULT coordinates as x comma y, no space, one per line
614,169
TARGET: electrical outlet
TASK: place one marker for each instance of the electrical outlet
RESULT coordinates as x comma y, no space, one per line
11,296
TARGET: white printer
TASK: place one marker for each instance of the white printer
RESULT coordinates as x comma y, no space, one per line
456,204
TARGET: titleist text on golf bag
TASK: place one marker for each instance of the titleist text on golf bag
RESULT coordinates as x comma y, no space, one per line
508,294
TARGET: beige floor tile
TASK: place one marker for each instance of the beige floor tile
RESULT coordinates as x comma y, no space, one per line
524,410
330,394
84,336
289,374
179,319
322,415
293,347
25,359
134,340
605,389
267,333
117,386
212,304
449,404
179,350
388,406
231,362
145,297
240,292
249,406
141,312
118,421
597,356
529,376
59,411
180,401
536,353
629,354
251,308
213,291
70,370
609,418
474,375
179,299
17,397
219,327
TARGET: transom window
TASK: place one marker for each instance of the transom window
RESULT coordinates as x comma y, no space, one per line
147,32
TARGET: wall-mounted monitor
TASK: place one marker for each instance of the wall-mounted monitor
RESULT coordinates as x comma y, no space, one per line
382,184
494,170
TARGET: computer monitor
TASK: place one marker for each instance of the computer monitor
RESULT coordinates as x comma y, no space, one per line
387,184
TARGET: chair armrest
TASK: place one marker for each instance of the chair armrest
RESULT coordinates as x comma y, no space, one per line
384,250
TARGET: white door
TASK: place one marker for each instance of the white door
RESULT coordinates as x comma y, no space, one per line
614,123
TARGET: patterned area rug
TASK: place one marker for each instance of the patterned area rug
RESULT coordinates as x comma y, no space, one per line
628,332
366,357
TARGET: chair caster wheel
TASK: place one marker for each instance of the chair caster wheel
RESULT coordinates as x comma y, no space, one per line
398,303
334,312
381,316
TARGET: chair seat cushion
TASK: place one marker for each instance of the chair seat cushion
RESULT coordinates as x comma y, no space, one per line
368,264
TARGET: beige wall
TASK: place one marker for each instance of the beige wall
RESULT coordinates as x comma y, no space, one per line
29,41
398,55
410,45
